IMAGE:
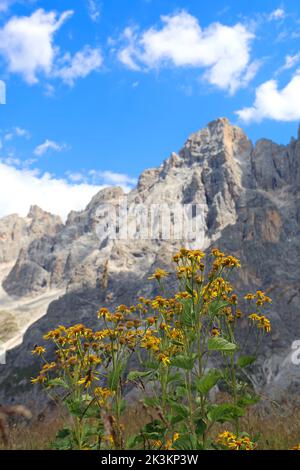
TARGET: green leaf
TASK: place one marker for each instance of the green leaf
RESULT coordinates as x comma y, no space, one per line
225,412
58,382
183,443
175,378
176,342
215,306
115,375
208,381
134,440
180,391
63,440
76,407
188,313
248,400
200,427
179,408
186,442
152,365
136,374
91,412
175,419
154,426
220,344
151,401
62,433
244,361
183,361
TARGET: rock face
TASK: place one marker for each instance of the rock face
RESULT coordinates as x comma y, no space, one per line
249,203
17,232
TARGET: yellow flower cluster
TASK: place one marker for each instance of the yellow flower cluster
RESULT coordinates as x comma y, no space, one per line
261,321
150,341
260,298
223,261
233,442
103,394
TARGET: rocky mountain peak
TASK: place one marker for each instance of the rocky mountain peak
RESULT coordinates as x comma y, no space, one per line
35,212
17,232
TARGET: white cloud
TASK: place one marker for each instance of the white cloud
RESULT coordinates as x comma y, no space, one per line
222,51
107,178
277,14
17,132
8,136
47,145
51,194
27,45
20,132
112,178
274,103
291,61
94,10
80,65
26,42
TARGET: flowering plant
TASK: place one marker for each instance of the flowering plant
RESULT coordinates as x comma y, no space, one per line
185,345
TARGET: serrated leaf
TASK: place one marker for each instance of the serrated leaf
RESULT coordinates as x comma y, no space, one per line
220,344
179,408
58,382
151,401
225,412
244,361
208,381
136,374
248,400
187,315
215,306
183,361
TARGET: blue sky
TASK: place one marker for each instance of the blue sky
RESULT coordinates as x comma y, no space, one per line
97,91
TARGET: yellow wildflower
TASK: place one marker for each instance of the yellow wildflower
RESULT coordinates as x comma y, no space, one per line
164,359
158,274
38,350
215,332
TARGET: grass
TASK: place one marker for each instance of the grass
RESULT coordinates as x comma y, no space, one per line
278,429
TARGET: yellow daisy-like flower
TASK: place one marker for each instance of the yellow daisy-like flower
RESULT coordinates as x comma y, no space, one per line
164,359
215,332
158,274
87,380
38,351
